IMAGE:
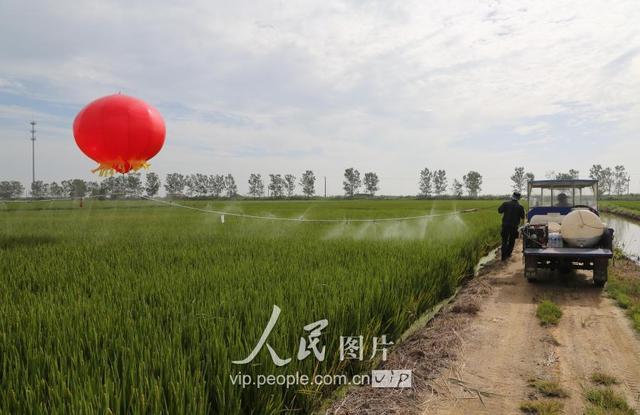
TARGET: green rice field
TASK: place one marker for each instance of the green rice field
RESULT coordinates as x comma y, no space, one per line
629,209
138,307
625,204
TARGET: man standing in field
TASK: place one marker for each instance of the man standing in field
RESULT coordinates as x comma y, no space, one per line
512,215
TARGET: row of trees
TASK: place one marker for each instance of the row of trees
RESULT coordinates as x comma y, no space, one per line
202,185
435,183
175,185
611,181
130,184
280,185
11,189
352,182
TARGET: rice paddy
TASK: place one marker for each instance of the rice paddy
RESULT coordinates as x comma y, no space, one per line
137,307
625,204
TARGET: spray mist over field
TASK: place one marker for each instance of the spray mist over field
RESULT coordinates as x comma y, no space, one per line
417,229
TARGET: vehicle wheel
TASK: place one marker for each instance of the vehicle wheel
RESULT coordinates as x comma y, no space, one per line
607,239
600,273
530,269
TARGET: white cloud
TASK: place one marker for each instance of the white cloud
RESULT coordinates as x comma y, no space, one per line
539,127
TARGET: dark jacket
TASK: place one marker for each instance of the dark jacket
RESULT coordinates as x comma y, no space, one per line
512,213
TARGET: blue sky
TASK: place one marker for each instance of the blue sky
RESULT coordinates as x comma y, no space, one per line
281,87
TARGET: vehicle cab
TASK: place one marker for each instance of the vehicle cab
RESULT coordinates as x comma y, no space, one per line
554,199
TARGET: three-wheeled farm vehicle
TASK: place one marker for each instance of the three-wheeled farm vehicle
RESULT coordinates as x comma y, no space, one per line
563,230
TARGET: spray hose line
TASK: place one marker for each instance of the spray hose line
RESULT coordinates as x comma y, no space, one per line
57,199
60,199
271,218
301,219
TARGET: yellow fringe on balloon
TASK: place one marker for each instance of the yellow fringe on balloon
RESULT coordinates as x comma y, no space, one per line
106,169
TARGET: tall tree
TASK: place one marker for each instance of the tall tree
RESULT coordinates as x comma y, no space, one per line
371,181
439,182
621,179
473,183
39,188
424,182
55,190
174,184
290,184
456,188
11,189
530,177
133,185
596,173
276,185
17,189
216,185
256,187
120,186
308,183
66,188
605,178
608,180
351,182
78,188
519,179
152,184
198,185
108,186
230,186
93,188
189,185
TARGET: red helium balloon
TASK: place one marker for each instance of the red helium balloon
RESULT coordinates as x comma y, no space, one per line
120,132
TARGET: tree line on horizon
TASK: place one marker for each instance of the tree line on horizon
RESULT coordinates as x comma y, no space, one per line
175,185
431,183
611,181
219,185
435,183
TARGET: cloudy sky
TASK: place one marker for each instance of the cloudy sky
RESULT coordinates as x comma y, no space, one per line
284,86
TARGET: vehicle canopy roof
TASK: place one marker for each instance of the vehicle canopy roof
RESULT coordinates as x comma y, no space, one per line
563,183
544,196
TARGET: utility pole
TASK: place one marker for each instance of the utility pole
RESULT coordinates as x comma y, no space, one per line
325,187
33,153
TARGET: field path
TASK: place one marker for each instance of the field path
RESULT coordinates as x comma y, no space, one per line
504,346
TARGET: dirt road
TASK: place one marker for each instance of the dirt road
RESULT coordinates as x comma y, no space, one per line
478,354
504,346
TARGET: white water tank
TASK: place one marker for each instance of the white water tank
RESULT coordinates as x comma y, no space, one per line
582,228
